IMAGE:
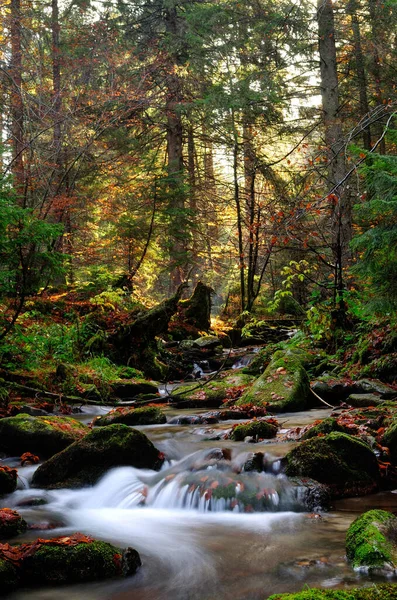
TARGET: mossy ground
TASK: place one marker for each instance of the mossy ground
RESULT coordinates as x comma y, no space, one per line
374,592
368,542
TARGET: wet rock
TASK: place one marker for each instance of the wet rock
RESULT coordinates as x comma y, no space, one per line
339,460
28,410
207,342
336,390
389,439
40,435
149,415
11,523
68,559
193,420
315,496
8,480
257,429
255,462
85,461
284,386
371,542
362,400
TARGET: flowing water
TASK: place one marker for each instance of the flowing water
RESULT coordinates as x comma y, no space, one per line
204,529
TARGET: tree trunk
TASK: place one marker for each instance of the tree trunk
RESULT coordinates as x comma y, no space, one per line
360,70
341,225
17,109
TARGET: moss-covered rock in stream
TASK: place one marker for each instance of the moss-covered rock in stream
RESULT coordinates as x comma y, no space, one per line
44,436
339,460
376,592
8,576
148,415
8,480
69,559
229,386
85,461
256,429
371,541
11,523
327,425
284,386
389,439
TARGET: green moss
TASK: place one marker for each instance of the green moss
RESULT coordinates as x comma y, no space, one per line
390,440
8,576
68,564
40,435
284,386
259,429
368,542
149,415
336,459
328,425
231,386
378,592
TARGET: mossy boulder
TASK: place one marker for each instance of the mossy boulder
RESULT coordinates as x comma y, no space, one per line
68,559
339,460
229,386
207,342
284,385
257,429
327,425
363,400
378,592
371,541
85,461
8,576
149,415
44,436
8,480
11,523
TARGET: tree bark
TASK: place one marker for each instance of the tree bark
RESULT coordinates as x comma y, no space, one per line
17,108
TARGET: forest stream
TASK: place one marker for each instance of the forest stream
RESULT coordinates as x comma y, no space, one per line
193,524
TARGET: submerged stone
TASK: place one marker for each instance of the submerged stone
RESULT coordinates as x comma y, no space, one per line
11,523
149,415
371,541
85,461
44,436
339,460
8,480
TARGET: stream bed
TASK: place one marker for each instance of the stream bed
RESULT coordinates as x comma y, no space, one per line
204,530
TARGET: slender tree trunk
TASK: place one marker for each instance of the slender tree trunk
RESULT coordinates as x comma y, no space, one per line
239,213
249,176
340,202
375,66
360,70
17,109
192,191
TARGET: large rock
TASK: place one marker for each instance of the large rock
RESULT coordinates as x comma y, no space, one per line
149,415
85,461
44,436
230,386
129,389
371,541
337,390
207,342
284,386
8,576
339,460
68,559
